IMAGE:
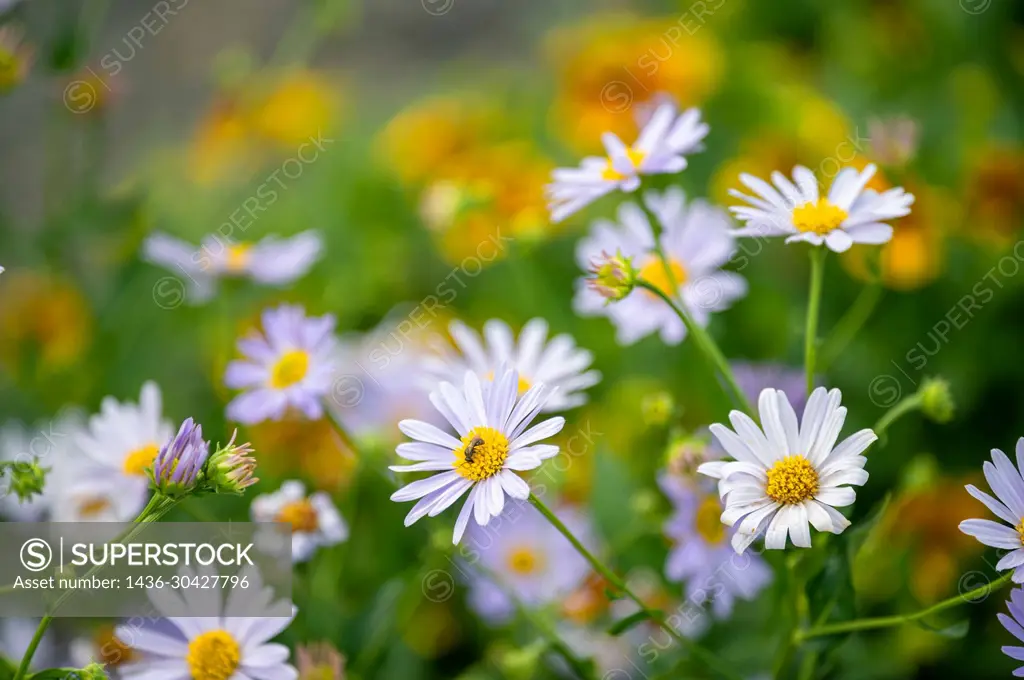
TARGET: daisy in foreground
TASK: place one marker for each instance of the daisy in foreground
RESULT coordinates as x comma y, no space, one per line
289,365
272,260
848,214
557,363
313,520
660,148
696,242
494,443
234,644
1005,480
788,475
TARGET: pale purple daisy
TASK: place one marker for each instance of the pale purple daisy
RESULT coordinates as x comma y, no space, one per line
272,261
702,555
177,466
661,147
314,520
696,242
1005,480
529,557
558,362
1015,605
849,214
496,443
289,365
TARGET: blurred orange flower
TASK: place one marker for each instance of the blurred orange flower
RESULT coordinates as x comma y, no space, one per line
610,64
995,196
311,449
45,316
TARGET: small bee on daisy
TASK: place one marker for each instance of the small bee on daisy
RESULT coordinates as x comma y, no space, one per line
494,441
696,241
288,366
558,362
272,261
1005,480
848,214
314,520
788,475
661,147
233,643
124,440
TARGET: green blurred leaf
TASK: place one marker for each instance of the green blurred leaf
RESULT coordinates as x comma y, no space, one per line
954,631
622,625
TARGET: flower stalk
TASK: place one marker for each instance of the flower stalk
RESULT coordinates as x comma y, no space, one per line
813,307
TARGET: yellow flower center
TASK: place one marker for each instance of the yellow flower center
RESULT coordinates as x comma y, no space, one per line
136,462
666,279
1020,530
792,480
524,561
612,175
213,655
289,369
110,651
238,257
820,218
708,521
301,515
93,507
482,454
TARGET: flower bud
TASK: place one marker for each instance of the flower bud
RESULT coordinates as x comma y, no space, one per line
320,661
657,408
937,400
27,479
613,277
177,468
230,468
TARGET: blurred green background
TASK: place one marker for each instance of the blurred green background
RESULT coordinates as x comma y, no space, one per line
446,118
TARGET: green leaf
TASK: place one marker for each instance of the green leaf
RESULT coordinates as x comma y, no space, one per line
858,536
7,669
622,625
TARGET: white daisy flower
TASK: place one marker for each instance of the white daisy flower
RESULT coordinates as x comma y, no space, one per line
495,444
124,439
696,241
660,148
849,214
788,476
1005,480
232,645
557,363
273,261
314,520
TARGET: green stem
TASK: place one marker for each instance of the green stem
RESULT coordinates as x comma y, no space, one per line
813,306
707,346
800,614
157,507
971,596
709,659
903,407
851,323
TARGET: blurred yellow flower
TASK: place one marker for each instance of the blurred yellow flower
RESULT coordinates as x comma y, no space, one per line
434,132
311,449
610,64
492,193
15,57
242,123
42,317
995,196
302,104
915,255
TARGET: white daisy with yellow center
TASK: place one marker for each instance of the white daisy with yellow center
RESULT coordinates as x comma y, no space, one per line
788,476
848,214
661,147
287,367
557,362
271,260
229,646
697,244
493,443
313,519
123,439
